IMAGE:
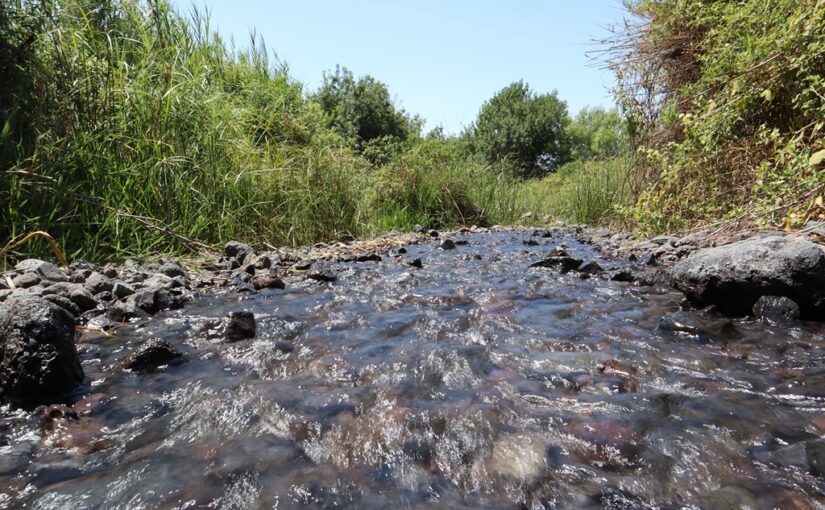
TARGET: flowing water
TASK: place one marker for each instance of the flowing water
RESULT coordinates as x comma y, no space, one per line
471,382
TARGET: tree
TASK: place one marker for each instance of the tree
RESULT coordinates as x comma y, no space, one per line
524,128
597,133
361,110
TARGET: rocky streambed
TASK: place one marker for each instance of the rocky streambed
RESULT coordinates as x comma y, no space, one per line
562,368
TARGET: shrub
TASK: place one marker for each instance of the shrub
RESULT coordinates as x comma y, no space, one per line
520,126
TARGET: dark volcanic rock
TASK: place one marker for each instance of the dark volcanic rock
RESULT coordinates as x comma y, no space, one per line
416,263
591,267
151,355
38,359
369,257
75,292
447,244
237,251
735,276
97,283
235,327
65,303
565,264
775,309
322,275
267,281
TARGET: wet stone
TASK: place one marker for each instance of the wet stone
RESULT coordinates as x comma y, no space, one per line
323,275
152,355
775,309
591,267
51,272
65,303
447,244
235,327
122,290
416,263
369,257
302,265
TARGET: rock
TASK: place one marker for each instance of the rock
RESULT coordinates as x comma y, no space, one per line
346,238
169,268
29,265
110,272
663,240
447,244
76,293
122,290
97,283
416,263
64,303
237,251
235,327
267,281
302,265
736,275
125,310
775,309
622,275
150,356
153,301
26,280
38,360
263,262
161,281
323,275
530,242
51,272
369,257
433,233
795,455
3,285
418,229
566,264
591,267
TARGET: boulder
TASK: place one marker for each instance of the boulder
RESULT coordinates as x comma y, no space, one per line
38,360
733,277
235,251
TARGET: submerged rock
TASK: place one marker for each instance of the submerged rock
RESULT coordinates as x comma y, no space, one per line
267,281
235,327
151,355
733,277
38,360
775,309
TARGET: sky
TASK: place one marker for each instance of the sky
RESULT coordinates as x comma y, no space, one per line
440,59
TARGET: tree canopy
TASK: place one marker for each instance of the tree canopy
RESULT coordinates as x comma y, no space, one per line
361,109
524,128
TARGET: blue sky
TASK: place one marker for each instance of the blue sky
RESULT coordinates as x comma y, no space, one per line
440,59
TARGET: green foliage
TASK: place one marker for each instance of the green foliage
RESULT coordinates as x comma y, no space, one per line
589,191
596,133
728,96
362,111
520,126
137,130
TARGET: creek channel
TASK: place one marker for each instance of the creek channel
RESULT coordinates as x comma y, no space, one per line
470,382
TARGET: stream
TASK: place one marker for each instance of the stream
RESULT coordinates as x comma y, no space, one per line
472,382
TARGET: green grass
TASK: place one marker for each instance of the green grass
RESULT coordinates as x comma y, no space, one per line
129,129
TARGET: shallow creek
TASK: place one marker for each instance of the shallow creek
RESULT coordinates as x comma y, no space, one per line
471,382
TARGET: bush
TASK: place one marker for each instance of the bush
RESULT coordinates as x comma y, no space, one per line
362,111
728,99
519,126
